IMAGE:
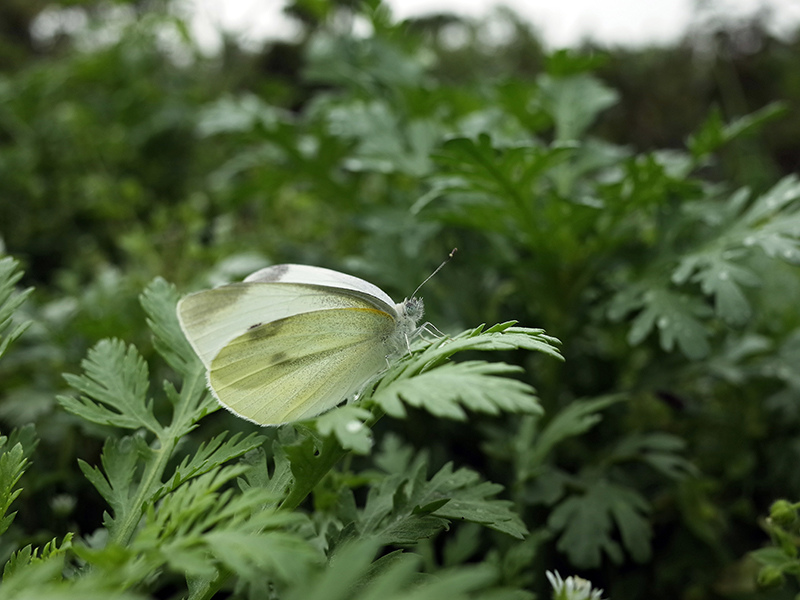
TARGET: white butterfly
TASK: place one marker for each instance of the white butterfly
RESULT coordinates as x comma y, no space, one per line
292,341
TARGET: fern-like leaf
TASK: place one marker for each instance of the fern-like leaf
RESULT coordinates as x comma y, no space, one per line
12,464
113,390
10,302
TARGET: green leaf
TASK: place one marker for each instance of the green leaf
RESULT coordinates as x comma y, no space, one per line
113,390
659,450
287,557
586,523
574,102
675,316
120,459
159,300
473,500
13,462
493,187
722,280
210,455
449,389
773,221
775,557
22,558
347,423
404,507
310,458
383,143
714,133
278,481
10,302
203,523
352,575
578,417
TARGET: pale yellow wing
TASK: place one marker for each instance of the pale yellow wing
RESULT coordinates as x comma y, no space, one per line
212,318
297,367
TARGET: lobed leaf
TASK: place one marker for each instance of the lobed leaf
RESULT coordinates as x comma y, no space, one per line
12,464
120,460
158,301
449,389
113,388
10,302
347,423
586,523
210,455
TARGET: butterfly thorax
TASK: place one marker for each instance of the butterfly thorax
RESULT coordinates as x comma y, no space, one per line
409,314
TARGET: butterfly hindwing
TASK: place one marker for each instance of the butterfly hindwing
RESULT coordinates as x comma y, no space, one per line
298,367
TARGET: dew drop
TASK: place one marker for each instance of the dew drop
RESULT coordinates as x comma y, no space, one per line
354,426
663,322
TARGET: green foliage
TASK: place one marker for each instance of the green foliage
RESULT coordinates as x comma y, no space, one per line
9,303
14,453
781,558
191,519
585,523
640,205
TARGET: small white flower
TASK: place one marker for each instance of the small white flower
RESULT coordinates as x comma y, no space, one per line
573,588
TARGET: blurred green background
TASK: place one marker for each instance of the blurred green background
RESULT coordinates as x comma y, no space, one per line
591,192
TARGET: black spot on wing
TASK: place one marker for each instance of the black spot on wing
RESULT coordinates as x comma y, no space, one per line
262,331
278,358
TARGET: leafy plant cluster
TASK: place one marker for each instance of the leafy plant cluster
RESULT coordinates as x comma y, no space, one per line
645,459
199,517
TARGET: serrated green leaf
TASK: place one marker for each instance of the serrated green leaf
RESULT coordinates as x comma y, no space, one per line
12,465
574,102
113,388
775,557
284,556
120,458
662,451
347,423
714,133
10,302
310,459
576,418
22,558
405,507
159,300
449,389
675,316
351,575
204,525
210,455
277,481
586,523
382,145
491,186
473,500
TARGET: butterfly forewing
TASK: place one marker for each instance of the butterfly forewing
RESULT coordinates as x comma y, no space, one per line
298,367
212,318
306,274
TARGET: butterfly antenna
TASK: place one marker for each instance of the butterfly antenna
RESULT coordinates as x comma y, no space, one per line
439,268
